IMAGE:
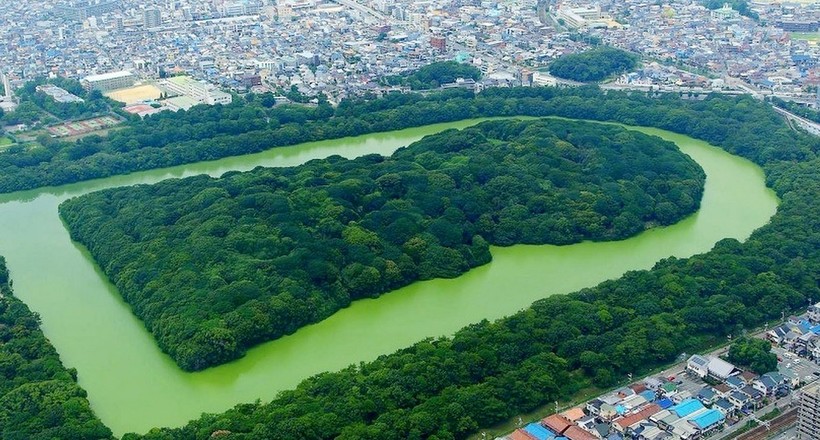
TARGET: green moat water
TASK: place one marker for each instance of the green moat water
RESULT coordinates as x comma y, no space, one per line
133,386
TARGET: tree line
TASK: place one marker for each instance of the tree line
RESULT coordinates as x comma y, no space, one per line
212,132
39,397
449,388
215,266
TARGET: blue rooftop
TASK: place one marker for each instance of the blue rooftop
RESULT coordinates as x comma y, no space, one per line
649,395
665,403
686,407
539,432
708,419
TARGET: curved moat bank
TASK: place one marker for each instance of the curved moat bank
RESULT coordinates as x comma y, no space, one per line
133,386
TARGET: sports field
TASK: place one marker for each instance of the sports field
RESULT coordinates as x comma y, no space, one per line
81,127
135,94
808,36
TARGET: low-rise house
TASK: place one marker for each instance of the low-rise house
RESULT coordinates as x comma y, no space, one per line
778,334
653,383
707,395
686,407
664,419
556,423
723,390
735,382
654,433
790,339
623,423
633,402
771,384
602,430
801,346
538,432
683,429
814,313
748,377
756,396
665,403
740,400
814,350
587,423
574,414
576,433
594,406
649,395
519,434
708,421
727,408
681,396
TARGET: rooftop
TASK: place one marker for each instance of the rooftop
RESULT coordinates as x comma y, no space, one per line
106,76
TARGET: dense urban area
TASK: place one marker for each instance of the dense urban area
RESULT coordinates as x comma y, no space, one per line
719,343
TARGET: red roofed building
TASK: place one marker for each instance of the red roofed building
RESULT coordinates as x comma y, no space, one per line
576,433
638,388
519,434
556,423
573,414
625,422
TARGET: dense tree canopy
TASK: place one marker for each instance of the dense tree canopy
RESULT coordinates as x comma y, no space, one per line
39,398
594,64
432,76
214,266
211,132
755,354
451,387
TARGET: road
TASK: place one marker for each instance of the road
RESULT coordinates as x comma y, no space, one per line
810,126
785,402
368,10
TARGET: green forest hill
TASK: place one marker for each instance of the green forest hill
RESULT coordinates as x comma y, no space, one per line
215,266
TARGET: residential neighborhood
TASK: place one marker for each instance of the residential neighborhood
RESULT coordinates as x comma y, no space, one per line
703,396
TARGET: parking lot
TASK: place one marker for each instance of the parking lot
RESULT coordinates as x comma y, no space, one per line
802,368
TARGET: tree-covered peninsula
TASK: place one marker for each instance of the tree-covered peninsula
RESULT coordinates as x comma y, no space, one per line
214,266
39,398
449,388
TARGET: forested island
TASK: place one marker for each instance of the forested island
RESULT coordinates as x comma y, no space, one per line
39,398
451,387
593,65
215,266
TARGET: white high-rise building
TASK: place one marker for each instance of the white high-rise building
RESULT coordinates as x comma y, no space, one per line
808,416
7,86
152,18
